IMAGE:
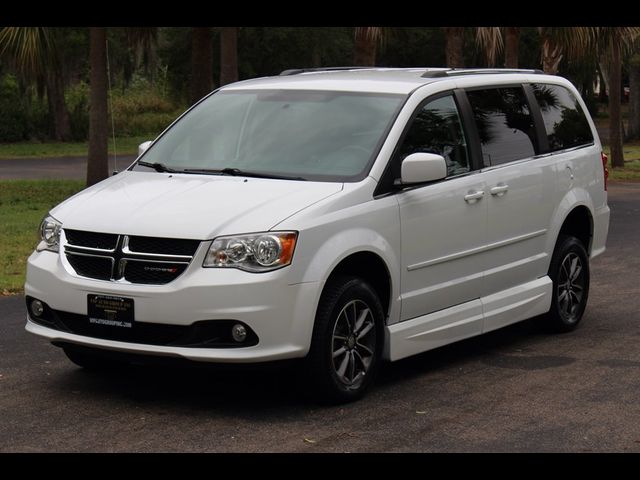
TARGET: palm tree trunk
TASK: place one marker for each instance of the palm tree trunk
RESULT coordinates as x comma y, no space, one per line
551,56
633,131
201,63
97,165
511,47
454,49
364,50
60,127
228,55
615,118
602,93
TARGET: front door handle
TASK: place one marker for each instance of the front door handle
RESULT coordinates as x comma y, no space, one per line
499,190
473,195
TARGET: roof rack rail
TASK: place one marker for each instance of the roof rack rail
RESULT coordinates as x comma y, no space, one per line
473,71
297,71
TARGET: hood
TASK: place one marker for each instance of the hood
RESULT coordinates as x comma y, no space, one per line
188,206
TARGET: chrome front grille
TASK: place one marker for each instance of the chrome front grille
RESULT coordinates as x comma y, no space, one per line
127,258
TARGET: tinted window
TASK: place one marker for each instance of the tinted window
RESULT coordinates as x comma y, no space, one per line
437,129
504,124
564,120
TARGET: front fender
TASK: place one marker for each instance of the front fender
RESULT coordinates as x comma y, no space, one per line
327,239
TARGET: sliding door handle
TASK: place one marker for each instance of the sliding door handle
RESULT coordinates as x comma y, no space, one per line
474,195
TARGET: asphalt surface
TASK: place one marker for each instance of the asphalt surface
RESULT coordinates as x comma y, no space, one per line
516,389
58,168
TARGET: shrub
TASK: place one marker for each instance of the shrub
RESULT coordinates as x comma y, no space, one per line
14,124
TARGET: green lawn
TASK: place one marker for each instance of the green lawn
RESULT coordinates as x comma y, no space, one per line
23,203
124,146
631,170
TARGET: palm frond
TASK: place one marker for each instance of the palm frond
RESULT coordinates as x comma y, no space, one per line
376,34
28,48
489,39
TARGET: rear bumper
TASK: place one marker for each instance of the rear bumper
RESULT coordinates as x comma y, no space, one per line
600,231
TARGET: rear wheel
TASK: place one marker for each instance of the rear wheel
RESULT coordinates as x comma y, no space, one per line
93,361
569,271
347,341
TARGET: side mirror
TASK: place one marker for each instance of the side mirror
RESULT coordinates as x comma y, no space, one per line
143,147
423,168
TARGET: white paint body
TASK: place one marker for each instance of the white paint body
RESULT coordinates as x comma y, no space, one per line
457,268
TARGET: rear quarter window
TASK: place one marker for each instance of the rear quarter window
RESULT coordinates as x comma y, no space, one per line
564,120
504,124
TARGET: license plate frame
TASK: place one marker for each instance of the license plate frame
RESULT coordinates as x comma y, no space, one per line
111,311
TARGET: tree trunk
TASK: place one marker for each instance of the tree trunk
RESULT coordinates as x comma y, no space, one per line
60,127
615,118
364,50
602,92
551,56
201,63
98,165
228,55
454,49
511,47
633,131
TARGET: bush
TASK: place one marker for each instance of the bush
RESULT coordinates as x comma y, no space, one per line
14,123
77,98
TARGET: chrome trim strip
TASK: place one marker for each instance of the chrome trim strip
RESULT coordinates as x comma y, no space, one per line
473,251
127,251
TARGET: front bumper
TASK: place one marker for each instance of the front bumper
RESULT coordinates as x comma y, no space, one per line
281,314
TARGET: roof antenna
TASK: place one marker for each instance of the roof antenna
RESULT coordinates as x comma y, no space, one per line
113,125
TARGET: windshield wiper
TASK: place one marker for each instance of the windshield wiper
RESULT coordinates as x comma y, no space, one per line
236,172
159,167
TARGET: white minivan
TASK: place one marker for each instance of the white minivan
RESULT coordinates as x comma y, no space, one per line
342,217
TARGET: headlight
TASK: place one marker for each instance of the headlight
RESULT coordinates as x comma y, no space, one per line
257,252
49,234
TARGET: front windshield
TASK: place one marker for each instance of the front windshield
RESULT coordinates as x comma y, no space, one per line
316,135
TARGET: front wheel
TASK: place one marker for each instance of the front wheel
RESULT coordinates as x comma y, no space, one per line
569,271
347,341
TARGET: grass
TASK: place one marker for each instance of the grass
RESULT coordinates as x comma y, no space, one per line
124,145
23,204
631,170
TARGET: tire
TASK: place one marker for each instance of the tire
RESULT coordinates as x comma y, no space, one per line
93,361
341,366
569,271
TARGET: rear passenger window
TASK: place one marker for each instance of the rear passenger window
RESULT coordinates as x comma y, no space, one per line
564,120
437,129
504,123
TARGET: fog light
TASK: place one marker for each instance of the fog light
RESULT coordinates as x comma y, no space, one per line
239,333
37,308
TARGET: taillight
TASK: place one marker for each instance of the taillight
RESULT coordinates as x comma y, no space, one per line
605,170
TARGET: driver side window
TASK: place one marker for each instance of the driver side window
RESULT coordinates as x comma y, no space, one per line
437,129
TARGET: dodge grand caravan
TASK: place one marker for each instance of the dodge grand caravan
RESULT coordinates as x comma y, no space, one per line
342,217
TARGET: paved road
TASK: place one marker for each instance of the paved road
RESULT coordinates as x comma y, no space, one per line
517,389
61,167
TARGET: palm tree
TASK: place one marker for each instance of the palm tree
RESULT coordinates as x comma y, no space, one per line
454,46
558,41
228,55
366,44
489,40
201,62
35,54
512,44
612,42
98,161
633,130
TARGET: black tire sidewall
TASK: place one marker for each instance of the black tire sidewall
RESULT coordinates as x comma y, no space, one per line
567,244
340,292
